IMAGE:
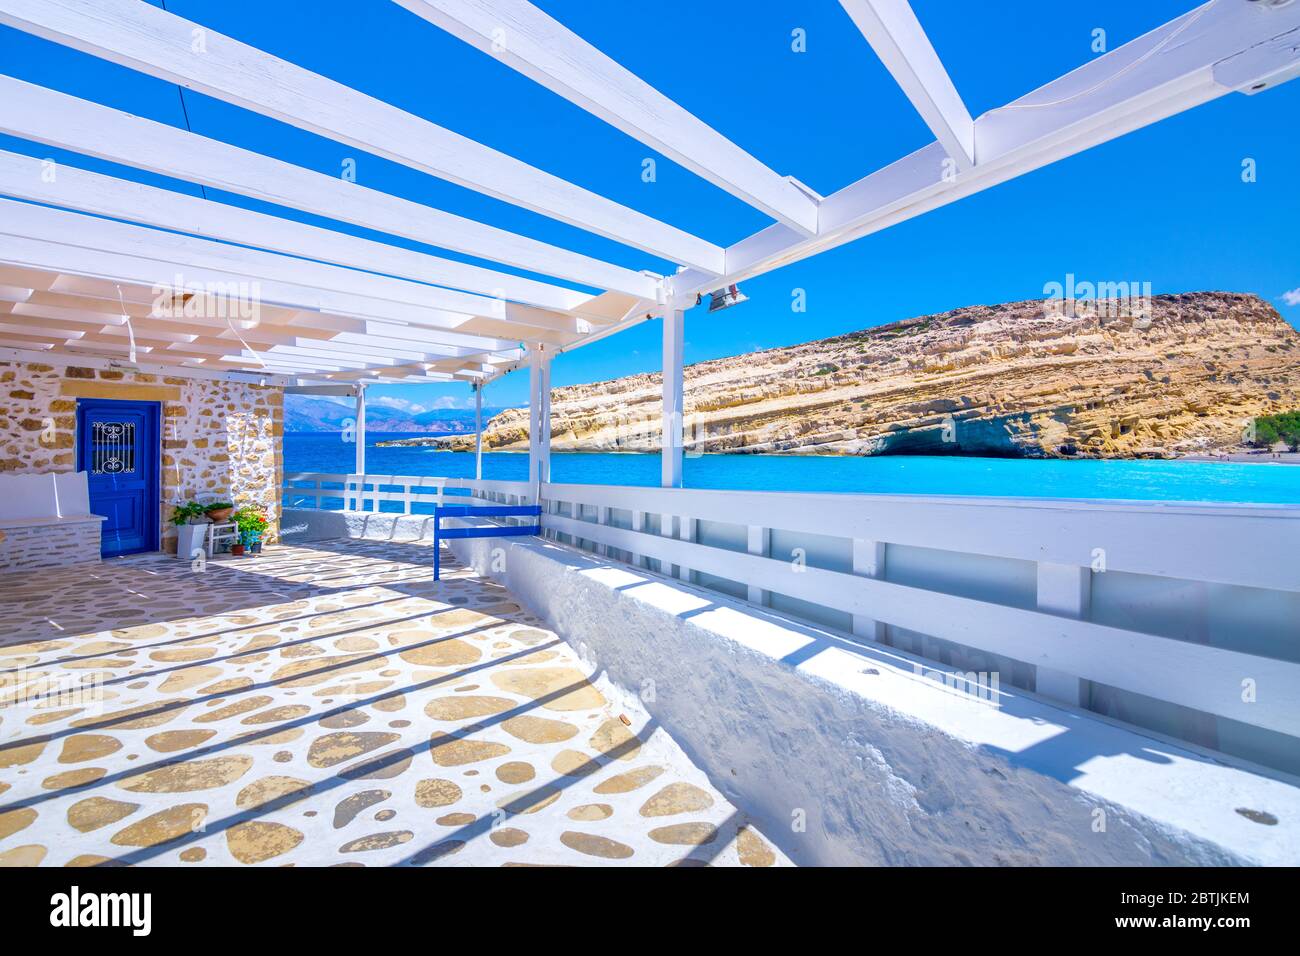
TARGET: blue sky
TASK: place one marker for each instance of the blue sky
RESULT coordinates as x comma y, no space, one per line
1166,205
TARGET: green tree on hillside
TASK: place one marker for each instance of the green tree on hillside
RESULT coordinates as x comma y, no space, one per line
1270,429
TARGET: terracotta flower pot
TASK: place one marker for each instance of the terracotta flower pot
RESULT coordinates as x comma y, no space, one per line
237,549
219,514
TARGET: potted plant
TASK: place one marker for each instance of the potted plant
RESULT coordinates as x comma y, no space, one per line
252,524
219,511
191,528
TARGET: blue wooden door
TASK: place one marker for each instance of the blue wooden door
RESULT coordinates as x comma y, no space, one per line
117,445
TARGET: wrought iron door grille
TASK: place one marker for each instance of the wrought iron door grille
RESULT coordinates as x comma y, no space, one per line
112,448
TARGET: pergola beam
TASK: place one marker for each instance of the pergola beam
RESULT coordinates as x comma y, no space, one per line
78,345
264,335
456,307
365,332
280,353
67,122
541,48
893,31
59,241
362,341
1214,49
281,366
140,36
71,188
391,376
1207,53
22,353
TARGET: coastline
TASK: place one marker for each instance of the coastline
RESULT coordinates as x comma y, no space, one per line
1239,458
1210,479
1246,458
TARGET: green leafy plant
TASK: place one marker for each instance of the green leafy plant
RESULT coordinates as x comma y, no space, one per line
218,505
182,514
252,524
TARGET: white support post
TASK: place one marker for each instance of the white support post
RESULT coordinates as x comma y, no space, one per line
359,434
539,414
1066,590
478,431
671,430
868,562
760,543
670,442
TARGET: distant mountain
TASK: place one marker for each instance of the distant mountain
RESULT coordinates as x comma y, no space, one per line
308,413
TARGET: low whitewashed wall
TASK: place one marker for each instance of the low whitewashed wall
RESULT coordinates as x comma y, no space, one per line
880,763
302,525
1182,619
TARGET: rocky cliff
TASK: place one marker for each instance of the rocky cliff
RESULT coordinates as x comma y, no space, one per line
1180,374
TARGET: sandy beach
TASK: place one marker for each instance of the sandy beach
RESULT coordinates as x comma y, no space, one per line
1250,458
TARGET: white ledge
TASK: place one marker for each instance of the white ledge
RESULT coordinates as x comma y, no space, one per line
889,765
10,524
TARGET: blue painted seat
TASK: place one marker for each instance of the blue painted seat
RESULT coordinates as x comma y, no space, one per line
491,531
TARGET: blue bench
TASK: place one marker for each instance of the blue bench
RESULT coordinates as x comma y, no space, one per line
494,531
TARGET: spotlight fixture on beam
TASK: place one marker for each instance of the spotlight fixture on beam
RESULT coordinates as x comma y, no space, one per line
724,298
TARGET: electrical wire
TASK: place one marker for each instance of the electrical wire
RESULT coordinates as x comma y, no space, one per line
130,330
184,109
256,354
186,113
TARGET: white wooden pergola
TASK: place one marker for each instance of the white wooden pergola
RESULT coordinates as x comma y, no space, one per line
83,255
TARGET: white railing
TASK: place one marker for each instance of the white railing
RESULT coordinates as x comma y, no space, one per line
307,489
1167,615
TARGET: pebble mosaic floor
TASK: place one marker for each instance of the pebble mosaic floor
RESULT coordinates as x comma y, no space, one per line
325,705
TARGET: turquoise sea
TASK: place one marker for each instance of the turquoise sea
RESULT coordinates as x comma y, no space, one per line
924,475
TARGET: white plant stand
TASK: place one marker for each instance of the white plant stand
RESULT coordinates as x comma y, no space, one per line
220,531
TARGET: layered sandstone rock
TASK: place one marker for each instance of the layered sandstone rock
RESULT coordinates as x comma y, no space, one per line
1099,380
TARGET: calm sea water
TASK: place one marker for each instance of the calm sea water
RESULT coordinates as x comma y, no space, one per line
1142,480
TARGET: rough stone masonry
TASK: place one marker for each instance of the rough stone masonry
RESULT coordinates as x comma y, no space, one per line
220,439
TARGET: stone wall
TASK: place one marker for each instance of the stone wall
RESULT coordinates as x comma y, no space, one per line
221,439
49,546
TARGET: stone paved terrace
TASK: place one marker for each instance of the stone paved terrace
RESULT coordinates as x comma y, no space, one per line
326,705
